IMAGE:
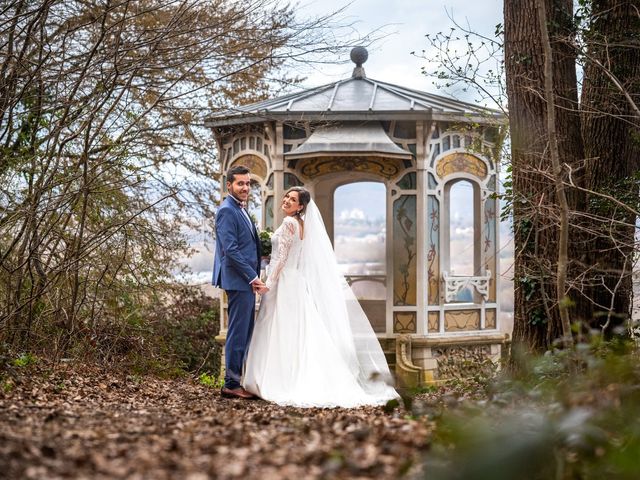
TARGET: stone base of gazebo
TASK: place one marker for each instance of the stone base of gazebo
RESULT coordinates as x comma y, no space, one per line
432,360
419,361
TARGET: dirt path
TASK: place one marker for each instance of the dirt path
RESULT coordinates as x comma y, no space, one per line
94,424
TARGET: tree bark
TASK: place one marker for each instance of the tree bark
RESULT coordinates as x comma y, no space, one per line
611,133
536,214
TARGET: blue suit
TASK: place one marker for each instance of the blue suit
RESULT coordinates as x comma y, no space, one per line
237,262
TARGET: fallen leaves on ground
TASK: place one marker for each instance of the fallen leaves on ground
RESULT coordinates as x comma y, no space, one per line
86,422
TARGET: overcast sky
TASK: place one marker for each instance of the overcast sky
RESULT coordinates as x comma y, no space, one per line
405,23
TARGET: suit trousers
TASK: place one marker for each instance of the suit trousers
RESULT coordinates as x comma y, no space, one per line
241,311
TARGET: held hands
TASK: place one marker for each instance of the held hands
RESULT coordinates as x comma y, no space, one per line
259,286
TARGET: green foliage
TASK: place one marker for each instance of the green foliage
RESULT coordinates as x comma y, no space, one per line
210,380
265,241
7,384
570,414
25,360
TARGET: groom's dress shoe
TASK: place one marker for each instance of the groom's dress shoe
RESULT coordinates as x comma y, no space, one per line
236,393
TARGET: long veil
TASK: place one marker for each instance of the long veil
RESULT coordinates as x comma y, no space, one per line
339,308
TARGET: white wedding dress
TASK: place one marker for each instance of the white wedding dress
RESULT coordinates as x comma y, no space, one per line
312,345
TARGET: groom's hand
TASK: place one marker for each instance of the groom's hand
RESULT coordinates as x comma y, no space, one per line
256,285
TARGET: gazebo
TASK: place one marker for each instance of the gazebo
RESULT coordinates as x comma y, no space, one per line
434,323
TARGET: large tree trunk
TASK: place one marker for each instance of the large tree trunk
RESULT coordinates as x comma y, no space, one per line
536,318
611,133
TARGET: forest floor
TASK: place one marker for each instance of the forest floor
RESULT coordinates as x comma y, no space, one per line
73,421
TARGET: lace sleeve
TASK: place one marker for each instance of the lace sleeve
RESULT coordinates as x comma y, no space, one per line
284,246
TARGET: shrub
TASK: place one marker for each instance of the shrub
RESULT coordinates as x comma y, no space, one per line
570,414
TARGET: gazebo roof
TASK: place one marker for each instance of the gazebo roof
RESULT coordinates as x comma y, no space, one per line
357,98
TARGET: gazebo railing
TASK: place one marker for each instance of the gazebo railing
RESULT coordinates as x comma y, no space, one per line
455,284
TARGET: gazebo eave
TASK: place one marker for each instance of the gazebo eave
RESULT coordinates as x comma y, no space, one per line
328,116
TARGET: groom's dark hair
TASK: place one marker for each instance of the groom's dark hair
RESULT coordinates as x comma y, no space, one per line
237,170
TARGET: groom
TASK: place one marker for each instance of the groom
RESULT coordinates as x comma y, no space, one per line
236,269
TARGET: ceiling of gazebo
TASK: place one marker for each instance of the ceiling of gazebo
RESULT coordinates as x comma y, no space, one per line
349,139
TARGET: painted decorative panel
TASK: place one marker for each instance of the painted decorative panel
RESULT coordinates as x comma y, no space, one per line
268,219
489,240
490,319
385,167
404,322
433,253
461,162
253,163
404,250
461,320
433,320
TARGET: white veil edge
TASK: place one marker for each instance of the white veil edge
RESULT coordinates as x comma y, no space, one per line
340,310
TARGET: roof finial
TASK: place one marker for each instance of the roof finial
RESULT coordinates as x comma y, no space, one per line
359,55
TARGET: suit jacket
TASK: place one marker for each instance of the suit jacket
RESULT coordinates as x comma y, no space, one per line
237,258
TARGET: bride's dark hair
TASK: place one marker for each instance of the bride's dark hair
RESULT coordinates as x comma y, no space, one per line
304,197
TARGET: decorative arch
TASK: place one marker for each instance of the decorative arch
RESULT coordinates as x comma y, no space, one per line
255,161
382,167
462,162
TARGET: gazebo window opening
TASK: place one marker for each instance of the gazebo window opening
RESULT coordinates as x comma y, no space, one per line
360,245
436,152
405,130
408,182
454,139
254,205
290,180
290,132
468,141
462,197
269,213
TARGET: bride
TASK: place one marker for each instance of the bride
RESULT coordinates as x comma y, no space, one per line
312,345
